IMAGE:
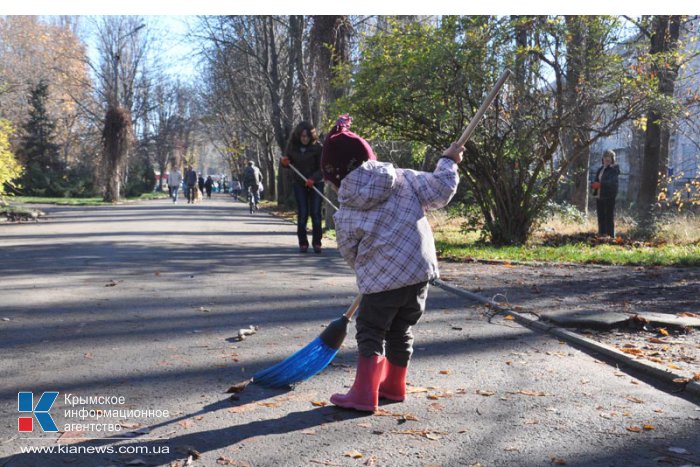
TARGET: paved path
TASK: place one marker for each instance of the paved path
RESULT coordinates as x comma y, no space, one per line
144,302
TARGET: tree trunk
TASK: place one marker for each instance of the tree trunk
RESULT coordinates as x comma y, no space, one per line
664,38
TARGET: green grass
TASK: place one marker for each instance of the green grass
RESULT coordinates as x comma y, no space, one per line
679,244
663,255
78,201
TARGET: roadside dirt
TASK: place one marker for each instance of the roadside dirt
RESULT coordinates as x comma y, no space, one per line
565,289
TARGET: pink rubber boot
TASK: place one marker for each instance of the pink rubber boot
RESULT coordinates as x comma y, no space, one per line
393,386
363,394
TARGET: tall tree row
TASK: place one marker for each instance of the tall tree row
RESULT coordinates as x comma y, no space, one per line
264,75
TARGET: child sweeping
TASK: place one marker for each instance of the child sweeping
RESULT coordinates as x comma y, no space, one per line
383,234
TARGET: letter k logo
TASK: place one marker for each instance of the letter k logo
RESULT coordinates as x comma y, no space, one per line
25,403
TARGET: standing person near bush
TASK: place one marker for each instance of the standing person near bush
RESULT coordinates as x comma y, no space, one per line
174,180
384,235
191,182
605,191
304,152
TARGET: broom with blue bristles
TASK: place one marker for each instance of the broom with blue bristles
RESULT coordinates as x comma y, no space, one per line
320,352
313,358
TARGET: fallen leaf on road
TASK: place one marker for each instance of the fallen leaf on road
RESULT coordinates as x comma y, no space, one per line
429,434
663,331
371,460
319,403
634,429
481,392
436,407
89,356
226,461
696,377
129,425
354,454
528,392
634,399
365,425
681,380
674,366
402,416
243,408
445,372
632,351
185,423
648,427
70,437
238,387
310,431
414,390
557,461
509,318
315,461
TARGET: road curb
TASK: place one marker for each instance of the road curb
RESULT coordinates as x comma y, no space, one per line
650,368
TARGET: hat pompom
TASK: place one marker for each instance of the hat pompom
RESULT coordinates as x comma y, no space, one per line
343,151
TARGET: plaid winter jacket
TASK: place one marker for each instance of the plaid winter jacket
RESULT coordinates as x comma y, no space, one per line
381,228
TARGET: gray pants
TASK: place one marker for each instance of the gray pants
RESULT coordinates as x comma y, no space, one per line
388,317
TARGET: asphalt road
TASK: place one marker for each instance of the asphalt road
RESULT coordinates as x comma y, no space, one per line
139,306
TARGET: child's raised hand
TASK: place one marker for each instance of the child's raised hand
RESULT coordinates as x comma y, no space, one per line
454,152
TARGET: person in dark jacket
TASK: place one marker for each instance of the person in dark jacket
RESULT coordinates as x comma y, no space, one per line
304,152
208,184
190,182
605,191
200,182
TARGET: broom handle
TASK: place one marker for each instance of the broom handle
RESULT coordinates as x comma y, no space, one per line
353,308
484,106
314,187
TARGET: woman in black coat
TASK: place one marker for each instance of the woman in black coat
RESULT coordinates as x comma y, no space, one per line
605,191
304,152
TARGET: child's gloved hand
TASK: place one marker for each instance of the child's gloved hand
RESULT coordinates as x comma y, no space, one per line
284,161
454,152
309,183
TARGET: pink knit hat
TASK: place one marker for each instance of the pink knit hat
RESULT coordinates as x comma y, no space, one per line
343,151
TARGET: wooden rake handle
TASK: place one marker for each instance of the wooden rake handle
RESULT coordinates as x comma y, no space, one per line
353,308
484,106
315,189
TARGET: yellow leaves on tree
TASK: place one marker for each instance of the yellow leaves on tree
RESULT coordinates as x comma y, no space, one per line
10,169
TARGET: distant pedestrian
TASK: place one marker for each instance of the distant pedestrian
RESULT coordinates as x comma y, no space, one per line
191,183
235,188
208,185
174,181
200,181
605,191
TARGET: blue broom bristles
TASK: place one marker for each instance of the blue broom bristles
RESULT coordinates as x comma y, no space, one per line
299,367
